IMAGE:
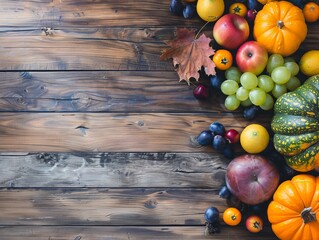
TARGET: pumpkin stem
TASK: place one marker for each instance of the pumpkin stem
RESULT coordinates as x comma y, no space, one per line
280,24
307,215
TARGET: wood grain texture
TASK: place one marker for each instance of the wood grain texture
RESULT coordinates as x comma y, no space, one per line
105,91
126,232
102,132
63,35
89,13
105,206
203,170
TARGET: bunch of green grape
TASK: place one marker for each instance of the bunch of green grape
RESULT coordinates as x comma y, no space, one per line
279,77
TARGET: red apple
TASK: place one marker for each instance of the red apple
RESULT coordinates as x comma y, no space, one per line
231,30
252,178
252,57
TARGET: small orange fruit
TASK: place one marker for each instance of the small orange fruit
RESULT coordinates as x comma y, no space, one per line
311,12
254,138
254,224
223,59
232,216
238,8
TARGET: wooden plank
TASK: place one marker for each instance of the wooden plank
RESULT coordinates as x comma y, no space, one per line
88,13
100,48
123,232
107,91
78,54
104,206
103,132
116,170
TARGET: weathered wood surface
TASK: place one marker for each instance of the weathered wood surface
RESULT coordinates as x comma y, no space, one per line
125,232
109,170
97,136
122,132
111,35
107,91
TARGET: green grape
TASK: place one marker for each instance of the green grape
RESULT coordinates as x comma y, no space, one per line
257,96
249,80
268,104
233,73
242,94
293,83
229,87
232,103
266,83
293,67
246,103
274,60
278,90
280,75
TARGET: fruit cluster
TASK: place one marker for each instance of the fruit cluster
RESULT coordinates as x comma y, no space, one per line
187,9
247,88
248,71
220,139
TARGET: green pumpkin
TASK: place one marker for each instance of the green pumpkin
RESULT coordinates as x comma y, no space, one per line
296,126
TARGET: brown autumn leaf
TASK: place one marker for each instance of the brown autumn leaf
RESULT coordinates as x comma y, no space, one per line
189,54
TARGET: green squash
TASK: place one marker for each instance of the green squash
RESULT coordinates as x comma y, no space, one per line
296,126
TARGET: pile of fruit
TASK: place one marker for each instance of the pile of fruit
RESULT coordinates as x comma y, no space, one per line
256,62
258,66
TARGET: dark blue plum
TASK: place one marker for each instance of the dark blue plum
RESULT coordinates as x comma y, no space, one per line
224,192
250,112
189,11
216,81
205,138
176,7
219,143
228,151
254,5
217,128
211,215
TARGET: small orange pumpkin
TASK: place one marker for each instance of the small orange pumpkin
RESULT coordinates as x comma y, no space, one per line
294,211
280,27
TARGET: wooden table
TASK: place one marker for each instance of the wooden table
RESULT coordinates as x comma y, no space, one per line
97,136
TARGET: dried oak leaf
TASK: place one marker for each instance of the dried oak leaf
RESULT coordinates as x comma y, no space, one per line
189,54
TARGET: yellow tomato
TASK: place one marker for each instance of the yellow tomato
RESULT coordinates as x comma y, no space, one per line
238,8
309,63
311,12
210,10
232,216
254,138
223,59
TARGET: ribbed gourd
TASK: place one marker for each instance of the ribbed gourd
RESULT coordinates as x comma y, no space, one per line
296,126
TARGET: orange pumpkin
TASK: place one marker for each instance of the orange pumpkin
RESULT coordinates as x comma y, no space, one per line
294,211
280,27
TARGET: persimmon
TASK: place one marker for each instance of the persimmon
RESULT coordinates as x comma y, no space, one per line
232,216
223,59
311,12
